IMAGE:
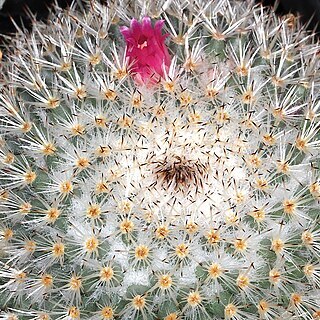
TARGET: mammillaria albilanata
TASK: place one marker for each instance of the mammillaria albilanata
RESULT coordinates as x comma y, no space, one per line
176,182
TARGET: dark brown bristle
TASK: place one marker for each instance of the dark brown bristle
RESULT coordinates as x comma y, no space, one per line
180,173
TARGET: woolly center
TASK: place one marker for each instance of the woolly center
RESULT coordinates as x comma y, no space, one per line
187,172
180,173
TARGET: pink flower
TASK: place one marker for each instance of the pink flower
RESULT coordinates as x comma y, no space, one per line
146,50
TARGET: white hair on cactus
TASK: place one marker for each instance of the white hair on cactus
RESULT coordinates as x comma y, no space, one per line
189,192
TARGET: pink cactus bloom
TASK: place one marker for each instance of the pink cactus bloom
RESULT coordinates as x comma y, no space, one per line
146,50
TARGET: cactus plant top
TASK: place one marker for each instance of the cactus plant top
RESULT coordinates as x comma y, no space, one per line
160,160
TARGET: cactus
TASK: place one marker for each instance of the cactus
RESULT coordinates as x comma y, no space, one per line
182,187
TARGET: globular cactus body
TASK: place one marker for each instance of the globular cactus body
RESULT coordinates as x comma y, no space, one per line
176,182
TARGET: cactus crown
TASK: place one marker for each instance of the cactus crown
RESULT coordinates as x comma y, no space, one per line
191,196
